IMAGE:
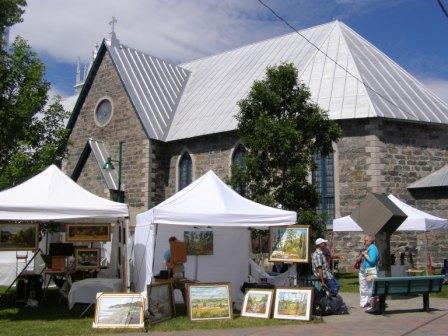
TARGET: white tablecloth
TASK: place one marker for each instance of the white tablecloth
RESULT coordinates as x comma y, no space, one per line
84,291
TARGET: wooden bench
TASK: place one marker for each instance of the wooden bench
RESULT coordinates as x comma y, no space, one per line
396,286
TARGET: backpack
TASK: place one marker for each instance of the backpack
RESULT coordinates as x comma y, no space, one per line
327,304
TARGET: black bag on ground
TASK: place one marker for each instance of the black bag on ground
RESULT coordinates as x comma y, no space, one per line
327,304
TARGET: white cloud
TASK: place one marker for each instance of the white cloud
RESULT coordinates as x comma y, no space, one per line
171,29
438,86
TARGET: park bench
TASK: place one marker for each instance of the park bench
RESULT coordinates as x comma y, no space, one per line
399,286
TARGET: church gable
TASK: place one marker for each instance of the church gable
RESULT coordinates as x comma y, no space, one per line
117,122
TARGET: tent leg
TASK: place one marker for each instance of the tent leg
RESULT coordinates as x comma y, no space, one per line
26,266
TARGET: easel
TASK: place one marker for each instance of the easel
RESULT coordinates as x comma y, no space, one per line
24,269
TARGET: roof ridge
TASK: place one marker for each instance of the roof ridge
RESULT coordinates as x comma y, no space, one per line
259,42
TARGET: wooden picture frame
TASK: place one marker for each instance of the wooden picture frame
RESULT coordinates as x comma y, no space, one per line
87,258
119,310
87,232
160,301
19,236
178,251
293,303
199,242
209,301
258,303
289,243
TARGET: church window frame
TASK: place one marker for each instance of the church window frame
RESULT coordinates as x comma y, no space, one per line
324,177
185,170
102,123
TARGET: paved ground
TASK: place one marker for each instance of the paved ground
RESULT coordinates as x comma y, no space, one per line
403,318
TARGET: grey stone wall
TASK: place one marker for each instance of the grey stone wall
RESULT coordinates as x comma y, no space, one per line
124,126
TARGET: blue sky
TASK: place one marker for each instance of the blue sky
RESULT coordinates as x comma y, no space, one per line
414,33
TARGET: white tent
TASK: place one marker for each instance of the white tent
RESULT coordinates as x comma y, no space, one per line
417,220
206,204
53,196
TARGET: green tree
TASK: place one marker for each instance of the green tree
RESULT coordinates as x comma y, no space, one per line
32,133
10,13
282,131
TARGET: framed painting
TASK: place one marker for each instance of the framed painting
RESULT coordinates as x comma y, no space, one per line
293,303
160,301
19,236
87,232
119,310
289,243
257,303
87,258
209,301
199,242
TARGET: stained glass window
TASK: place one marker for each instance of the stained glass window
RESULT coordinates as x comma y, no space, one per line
323,178
185,171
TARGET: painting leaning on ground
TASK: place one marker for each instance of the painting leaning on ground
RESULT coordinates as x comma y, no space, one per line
257,303
209,301
119,311
291,303
289,244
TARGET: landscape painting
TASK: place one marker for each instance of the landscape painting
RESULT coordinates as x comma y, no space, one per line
87,232
293,304
289,244
209,302
115,310
18,236
257,303
160,302
87,258
199,242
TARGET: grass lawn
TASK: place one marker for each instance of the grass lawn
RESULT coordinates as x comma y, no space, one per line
54,318
349,283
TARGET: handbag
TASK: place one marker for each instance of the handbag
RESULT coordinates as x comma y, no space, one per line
371,273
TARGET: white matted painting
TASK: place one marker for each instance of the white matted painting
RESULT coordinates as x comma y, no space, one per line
293,303
257,303
119,310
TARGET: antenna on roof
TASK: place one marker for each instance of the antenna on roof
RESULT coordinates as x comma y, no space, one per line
113,36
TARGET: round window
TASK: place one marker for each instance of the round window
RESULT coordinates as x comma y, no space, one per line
103,112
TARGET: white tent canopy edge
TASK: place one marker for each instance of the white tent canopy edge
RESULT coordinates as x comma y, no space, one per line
206,203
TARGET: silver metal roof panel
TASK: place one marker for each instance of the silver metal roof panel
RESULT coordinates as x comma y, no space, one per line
437,179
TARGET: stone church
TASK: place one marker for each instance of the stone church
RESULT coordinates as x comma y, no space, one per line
176,121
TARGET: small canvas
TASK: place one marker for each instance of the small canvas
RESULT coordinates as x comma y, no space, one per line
210,301
178,252
87,258
160,302
257,303
199,242
18,236
293,303
290,243
87,232
119,310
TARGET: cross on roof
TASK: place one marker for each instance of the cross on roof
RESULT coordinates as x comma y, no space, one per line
112,23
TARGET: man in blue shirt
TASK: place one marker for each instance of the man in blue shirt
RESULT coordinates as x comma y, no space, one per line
369,257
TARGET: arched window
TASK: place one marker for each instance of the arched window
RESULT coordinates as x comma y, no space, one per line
323,179
238,167
238,157
185,171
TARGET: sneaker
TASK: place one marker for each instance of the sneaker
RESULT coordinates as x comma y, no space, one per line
370,310
367,305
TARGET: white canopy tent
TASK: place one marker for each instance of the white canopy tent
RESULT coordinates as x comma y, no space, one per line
417,220
51,196
207,203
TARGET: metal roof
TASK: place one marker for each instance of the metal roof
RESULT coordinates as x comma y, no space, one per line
209,102
437,179
153,85
101,154
200,97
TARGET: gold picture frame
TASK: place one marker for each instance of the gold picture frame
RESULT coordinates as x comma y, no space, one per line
293,303
160,301
289,243
87,232
87,258
19,236
119,310
258,303
209,301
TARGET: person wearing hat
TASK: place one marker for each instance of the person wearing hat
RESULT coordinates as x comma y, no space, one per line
321,269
